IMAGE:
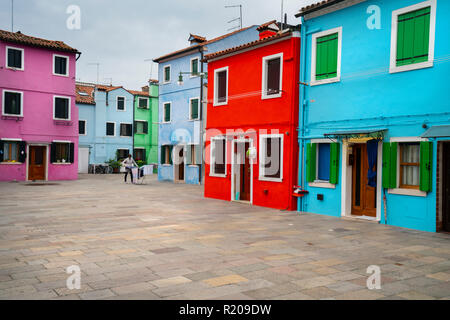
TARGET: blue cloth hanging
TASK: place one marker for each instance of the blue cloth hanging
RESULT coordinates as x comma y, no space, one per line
372,153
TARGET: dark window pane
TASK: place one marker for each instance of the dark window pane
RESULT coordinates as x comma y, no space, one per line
194,109
195,66
273,76
110,129
167,74
222,86
324,162
143,103
81,127
13,103
121,103
167,112
122,153
15,58
62,152
273,158
61,108
125,130
219,156
61,65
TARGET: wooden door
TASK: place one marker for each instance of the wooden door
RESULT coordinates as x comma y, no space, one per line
446,187
181,165
245,175
363,196
37,163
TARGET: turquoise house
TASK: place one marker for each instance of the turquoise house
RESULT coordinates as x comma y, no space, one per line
105,123
375,111
182,105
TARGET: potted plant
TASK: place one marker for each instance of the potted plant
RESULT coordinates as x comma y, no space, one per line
115,165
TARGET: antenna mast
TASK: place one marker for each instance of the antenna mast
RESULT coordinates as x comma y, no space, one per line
98,67
240,16
12,15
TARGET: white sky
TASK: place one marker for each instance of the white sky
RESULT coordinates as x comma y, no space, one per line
120,35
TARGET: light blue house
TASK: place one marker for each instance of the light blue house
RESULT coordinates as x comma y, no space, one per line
375,111
105,123
181,111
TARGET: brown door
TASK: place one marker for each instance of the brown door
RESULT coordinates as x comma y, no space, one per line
181,165
363,195
245,175
446,187
37,163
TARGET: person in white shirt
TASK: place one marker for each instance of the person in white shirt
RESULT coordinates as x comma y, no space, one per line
129,163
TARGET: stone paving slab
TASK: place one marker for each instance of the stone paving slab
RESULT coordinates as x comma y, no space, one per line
165,241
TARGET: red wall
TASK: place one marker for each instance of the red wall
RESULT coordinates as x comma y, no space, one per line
253,113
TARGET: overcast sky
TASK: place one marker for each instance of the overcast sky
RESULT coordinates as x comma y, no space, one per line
120,35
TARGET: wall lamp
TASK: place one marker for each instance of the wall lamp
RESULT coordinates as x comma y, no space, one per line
193,74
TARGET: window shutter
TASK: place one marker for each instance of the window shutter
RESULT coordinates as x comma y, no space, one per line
144,155
393,166
170,154
135,127
146,127
22,151
326,56
334,163
386,164
198,154
53,153
163,154
426,158
311,162
2,146
72,153
188,154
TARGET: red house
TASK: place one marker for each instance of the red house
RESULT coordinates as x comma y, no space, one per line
252,119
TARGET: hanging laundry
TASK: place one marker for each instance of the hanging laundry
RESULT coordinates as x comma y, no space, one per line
372,153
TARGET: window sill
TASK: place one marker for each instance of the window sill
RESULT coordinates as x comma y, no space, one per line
192,120
12,115
410,67
15,69
325,81
57,119
271,96
61,75
13,163
166,122
217,175
322,184
125,136
193,165
270,179
166,165
167,82
217,104
61,163
408,192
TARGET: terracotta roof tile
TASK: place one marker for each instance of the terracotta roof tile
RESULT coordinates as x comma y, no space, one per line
247,45
17,37
196,46
139,93
84,94
316,6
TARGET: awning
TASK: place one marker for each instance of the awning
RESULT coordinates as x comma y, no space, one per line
374,133
437,132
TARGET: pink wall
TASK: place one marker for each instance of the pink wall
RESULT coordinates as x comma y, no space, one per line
39,86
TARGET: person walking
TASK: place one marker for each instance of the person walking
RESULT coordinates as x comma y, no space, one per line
129,163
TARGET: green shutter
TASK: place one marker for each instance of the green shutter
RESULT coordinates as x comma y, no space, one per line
426,158
146,127
327,56
393,166
311,162
334,163
163,154
194,109
386,164
413,35
170,154
167,112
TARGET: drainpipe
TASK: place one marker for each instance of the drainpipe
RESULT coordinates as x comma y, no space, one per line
200,167
302,100
132,128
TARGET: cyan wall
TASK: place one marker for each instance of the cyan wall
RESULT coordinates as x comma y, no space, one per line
179,96
87,112
369,97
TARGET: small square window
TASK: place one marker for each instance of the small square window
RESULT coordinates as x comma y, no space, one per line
271,160
126,130
121,103
139,154
141,127
15,58
122,154
61,152
143,103
10,151
61,65
409,165
272,73
110,129
62,108
12,103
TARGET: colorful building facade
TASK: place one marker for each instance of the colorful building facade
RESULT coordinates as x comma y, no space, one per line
146,124
374,112
39,118
251,144
181,106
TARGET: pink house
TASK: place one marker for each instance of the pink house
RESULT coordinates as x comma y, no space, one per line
39,119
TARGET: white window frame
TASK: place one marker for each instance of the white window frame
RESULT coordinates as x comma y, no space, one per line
406,191
262,152
120,134
54,108
106,129
124,104
10,141
315,82
85,127
320,183
21,104
164,74
164,146
164,113
265,76
213,158
394,29
216,87
123,149
198,67
190,109
142,98
22,62
193,155
66,142
67,65
136,127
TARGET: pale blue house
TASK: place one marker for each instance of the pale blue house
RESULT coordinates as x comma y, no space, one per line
181,111
105,123
375,111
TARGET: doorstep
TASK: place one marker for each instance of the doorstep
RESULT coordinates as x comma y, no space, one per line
359,218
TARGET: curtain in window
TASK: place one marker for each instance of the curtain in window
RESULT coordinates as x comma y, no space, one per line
222,90
12,103
410,155
273,76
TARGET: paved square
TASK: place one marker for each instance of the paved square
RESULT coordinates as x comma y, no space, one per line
165,241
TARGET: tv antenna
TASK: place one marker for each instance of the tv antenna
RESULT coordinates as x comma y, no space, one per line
151,66
110,80
12,15
98,68
240,16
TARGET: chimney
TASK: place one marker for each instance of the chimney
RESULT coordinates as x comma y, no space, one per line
196,39
268,29
145,89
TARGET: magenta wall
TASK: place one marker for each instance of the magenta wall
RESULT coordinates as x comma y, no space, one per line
39,86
